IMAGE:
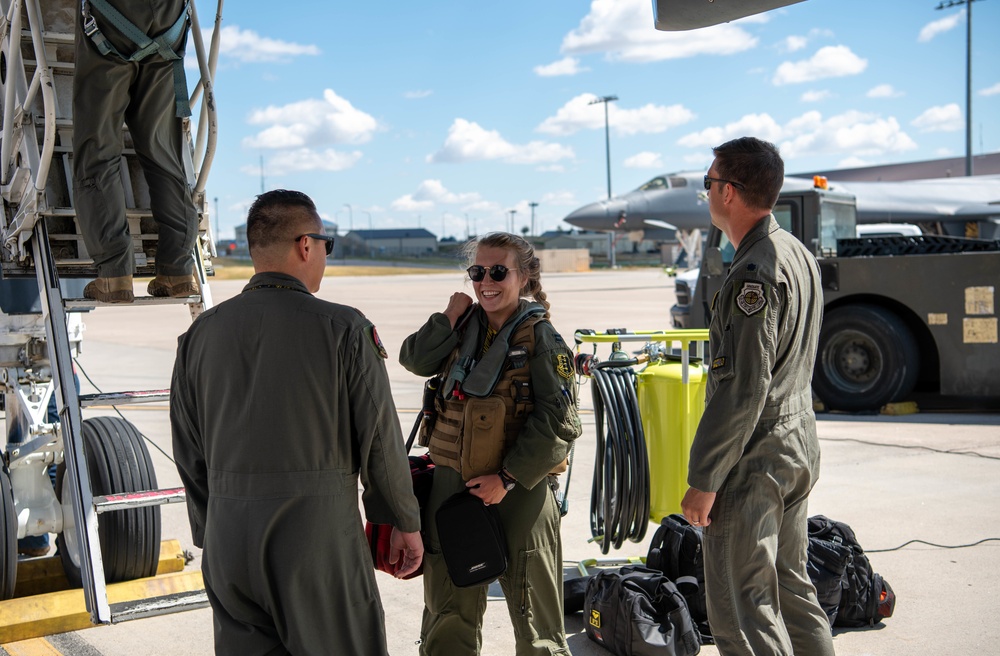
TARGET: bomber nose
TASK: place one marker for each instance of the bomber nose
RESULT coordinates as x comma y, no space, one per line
597,216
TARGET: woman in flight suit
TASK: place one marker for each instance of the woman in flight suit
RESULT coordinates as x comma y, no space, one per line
506,417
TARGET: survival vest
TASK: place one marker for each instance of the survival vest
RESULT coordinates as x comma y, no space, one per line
482,406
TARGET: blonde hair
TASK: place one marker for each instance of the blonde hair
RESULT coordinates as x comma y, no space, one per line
524,256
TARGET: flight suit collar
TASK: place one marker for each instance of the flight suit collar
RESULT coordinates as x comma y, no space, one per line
275,280
764,227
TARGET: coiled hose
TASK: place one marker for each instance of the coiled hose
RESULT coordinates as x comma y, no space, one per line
619,498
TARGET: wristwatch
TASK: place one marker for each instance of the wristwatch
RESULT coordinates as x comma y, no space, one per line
508,481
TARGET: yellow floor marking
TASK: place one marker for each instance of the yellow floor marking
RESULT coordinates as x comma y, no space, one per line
32,647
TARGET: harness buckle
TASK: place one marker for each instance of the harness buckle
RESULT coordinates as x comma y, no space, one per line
90,25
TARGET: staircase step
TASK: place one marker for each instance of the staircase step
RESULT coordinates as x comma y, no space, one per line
143,499
124,398
82,304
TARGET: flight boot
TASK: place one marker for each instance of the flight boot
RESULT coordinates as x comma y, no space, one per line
175,286
110,290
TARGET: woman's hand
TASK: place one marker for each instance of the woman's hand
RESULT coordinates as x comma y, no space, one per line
489,488
457,305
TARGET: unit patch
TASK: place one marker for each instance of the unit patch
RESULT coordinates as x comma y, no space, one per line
751,298
595,618
376,342
718,362
563,366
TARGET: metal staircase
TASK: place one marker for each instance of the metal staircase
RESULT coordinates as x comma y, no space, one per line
41,239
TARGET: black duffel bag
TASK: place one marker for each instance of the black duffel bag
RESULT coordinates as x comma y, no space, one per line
637,611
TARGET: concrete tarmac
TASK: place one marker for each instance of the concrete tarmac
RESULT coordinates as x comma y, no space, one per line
929,477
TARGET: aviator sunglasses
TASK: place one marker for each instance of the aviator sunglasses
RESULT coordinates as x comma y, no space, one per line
497,272
326,238
709,181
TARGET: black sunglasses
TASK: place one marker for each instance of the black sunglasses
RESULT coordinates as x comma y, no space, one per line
709,181
327,238
497,272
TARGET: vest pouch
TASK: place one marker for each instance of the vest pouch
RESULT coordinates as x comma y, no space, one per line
483,437
444,438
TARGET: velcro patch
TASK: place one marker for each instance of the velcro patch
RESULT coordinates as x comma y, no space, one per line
752,298
376,342
518,357
563,366
718,362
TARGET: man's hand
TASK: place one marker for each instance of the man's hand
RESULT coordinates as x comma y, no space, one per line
457,305
489,488
407,549
696,506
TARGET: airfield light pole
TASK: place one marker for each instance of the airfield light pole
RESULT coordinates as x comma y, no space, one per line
607,155
369,218
350,217
512,213
968,76
532,205
217,236
607,134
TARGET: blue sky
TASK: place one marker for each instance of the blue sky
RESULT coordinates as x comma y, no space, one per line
449,114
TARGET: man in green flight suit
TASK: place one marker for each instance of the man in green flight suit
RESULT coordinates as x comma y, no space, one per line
755,456
279,402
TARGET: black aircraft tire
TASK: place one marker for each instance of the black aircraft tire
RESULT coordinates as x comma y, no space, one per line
8,538
118,462
867,357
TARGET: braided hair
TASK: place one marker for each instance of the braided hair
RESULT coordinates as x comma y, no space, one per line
524,256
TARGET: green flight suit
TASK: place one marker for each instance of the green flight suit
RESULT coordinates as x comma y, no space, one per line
107,92
279,402
452,623
756,446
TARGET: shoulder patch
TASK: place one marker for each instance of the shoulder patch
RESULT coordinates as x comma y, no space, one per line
563,366
375,341
718,362
752,298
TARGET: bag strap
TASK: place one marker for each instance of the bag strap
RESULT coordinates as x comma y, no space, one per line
146,46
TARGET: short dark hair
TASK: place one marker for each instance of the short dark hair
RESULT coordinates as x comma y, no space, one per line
754,163
272,217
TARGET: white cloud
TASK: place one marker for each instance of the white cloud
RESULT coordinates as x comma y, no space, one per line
816,96
306,159
311,123
884,91
622,30
565,66
942,118
829,61
932,29
793,43
943,152
854,133
416,95
431,193
578,114
852,162
249,47
560,198
990,91
644,160
761,126
468,141
551,168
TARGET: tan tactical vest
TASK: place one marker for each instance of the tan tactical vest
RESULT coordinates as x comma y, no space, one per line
472,435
